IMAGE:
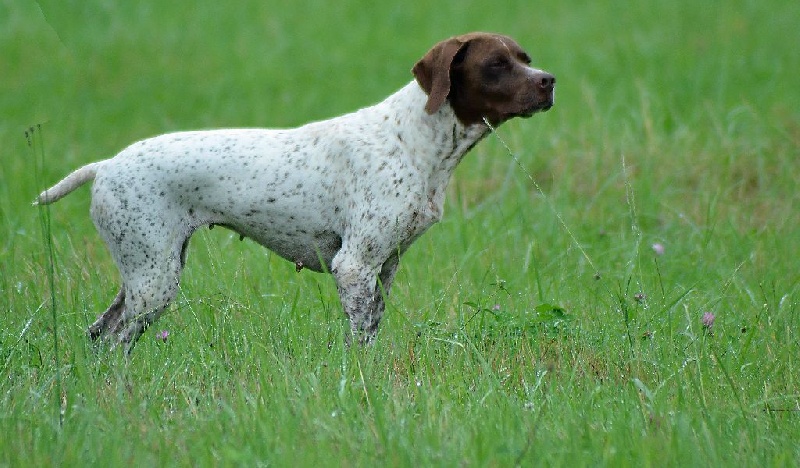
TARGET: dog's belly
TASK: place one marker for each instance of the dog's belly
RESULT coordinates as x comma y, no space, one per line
307,248
303,228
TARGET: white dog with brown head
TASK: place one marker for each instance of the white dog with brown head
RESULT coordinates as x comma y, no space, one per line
346,195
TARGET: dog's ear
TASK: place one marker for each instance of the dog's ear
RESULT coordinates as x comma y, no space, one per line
433,72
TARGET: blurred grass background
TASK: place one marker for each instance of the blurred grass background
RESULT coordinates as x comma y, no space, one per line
676,123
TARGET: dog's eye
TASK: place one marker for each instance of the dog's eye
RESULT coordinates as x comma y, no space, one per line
498,62
525,58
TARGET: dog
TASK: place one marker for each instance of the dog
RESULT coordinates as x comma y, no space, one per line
346,195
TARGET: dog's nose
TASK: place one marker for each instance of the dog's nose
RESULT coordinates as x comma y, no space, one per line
545,81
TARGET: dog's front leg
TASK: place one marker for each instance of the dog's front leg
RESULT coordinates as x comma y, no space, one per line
386,277
357,285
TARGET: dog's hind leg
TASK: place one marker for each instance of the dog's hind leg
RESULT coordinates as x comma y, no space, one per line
109,318
149,288
146,234
149,251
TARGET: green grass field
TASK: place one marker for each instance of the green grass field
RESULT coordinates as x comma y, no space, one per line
676,123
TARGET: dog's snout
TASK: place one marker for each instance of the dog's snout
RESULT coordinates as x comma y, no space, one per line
545,81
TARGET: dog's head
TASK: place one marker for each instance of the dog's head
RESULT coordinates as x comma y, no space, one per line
483,75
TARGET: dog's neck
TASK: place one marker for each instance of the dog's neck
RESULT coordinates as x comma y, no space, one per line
439,140
434,143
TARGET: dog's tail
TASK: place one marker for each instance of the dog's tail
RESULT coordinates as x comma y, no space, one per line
68,184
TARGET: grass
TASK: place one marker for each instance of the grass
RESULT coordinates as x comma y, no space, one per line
675,124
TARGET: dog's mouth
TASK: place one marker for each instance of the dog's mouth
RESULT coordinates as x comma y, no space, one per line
523,108
536,109
541,105
544,107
